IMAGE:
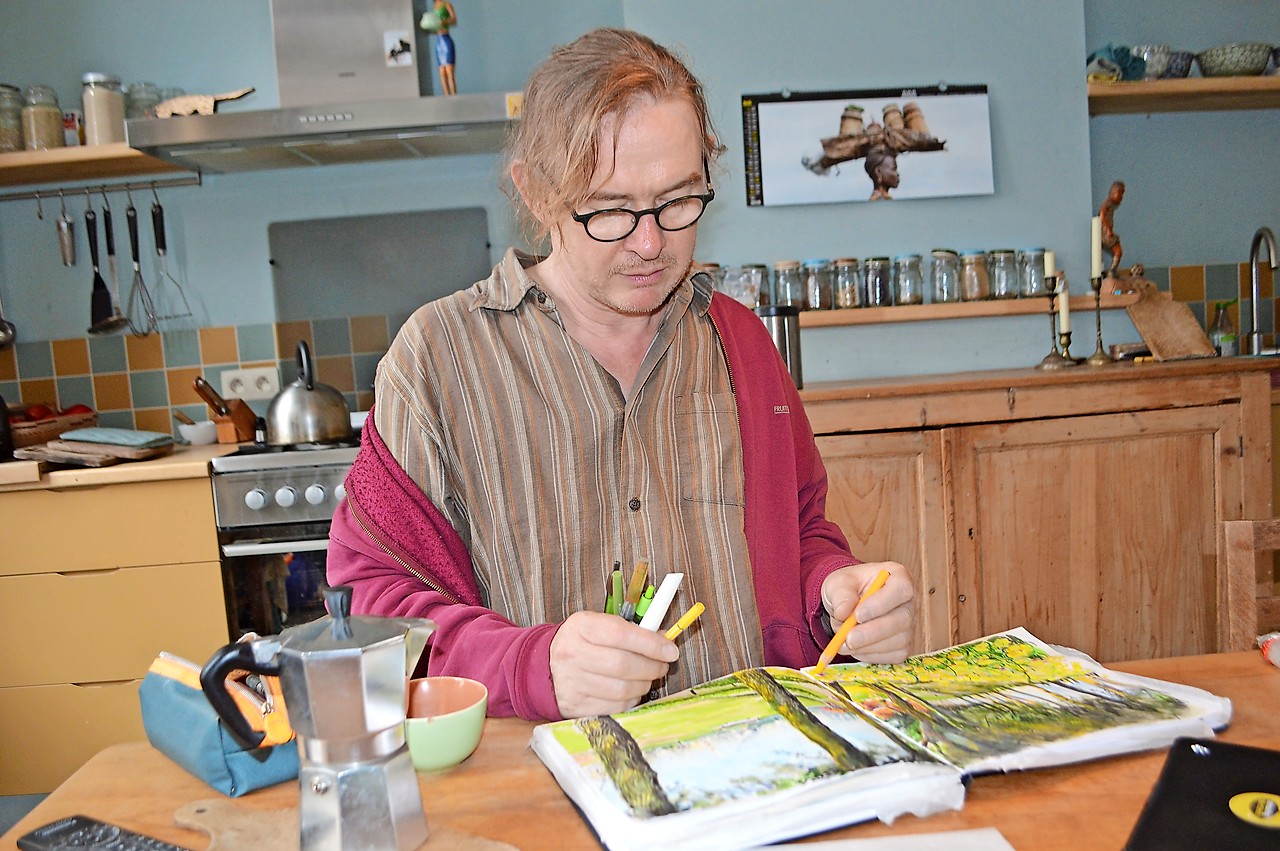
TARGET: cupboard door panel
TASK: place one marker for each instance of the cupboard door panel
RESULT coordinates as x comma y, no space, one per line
886,494
1099,532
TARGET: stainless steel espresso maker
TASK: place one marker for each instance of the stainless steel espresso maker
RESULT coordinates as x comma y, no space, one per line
345,682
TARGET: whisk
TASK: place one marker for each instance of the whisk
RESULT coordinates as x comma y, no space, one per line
157,224
139,295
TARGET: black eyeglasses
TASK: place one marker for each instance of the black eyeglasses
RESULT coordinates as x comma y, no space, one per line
618,222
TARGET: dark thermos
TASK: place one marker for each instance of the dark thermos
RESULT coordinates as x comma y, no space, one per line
783,323
6,433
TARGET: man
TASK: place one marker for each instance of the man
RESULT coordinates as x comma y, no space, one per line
596,406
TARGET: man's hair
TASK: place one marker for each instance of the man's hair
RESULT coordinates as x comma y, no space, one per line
568,97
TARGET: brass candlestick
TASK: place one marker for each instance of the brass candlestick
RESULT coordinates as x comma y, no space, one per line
1099,356
1053,360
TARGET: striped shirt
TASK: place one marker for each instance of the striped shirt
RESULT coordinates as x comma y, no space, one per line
551,475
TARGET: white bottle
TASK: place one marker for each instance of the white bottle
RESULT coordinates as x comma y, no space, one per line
103,103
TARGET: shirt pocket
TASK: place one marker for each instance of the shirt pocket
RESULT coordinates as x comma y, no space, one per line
709,458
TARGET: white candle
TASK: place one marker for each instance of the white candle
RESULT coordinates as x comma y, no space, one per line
1064,307
1095,248
1050,264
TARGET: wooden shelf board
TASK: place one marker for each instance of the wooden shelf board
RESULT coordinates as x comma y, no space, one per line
78,165
1190,94
962,310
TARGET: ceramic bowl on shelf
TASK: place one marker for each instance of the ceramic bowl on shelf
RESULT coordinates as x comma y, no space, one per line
199,434
1180,62
1234,60
1156,56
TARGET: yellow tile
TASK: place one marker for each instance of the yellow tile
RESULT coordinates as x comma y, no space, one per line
181,383
1266,286
144,352
153,419
71,357
8,365
111,392
289,333
368,334
218,345
1187,283
338,372
38,390
364,400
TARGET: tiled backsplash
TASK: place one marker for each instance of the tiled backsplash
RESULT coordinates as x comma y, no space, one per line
138,382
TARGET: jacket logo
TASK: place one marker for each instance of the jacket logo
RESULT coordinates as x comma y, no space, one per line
782,409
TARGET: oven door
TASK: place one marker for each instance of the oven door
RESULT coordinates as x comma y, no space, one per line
273,581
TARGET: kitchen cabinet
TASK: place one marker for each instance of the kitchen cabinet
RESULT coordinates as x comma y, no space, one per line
1085,505
95,581
1189,94
81,164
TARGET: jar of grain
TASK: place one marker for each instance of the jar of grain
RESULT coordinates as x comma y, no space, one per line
974,283
879,282
140,100
10,119
41,119
849,288
908,281
103,102
817,285
788,284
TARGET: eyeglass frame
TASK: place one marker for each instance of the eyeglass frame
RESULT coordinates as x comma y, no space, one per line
636,215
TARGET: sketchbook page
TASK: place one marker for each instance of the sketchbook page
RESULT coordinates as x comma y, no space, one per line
977,839
1009,701
742,760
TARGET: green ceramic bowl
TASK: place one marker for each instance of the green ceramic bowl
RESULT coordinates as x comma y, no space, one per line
446,718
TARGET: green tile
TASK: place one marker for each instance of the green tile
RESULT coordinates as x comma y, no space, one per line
395,322
256,342
75,390
107,354
116,419
9,391
1221,282
1159,274
181,347
149,388
1197,309
35,360
366,367
331,337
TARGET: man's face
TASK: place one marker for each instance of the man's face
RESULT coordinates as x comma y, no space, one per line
658,157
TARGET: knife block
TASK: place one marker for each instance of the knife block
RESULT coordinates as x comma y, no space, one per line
236,426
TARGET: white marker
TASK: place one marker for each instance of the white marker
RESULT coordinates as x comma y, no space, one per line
661,602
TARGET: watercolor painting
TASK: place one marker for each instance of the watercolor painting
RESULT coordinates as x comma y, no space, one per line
768,730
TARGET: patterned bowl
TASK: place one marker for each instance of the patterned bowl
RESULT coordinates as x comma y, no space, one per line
1179,64
1234,60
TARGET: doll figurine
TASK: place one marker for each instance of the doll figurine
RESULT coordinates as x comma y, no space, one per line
438,19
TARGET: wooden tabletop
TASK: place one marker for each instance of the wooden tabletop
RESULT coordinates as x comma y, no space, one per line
503,792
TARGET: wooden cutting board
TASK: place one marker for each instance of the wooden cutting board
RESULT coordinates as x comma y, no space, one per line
85,454
1168,327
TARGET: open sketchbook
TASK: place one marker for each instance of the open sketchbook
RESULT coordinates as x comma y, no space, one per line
771,753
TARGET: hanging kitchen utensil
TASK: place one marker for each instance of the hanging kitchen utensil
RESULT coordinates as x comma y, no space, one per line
66,234
139,295
110,230
102,318
157,225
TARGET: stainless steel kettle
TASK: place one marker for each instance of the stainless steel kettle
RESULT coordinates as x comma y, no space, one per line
345,684
307,411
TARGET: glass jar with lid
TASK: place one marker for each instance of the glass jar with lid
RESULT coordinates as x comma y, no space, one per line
41,119
1003,273
849,291
879,277
766,291
10,119
975,285
1031,270
788,284
817,285
103,103
944,276
908,280
141,99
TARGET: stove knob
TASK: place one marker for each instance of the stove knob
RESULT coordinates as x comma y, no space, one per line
340,492
315,494
256,499
286,497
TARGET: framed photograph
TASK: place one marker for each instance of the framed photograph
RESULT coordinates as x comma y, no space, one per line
867,145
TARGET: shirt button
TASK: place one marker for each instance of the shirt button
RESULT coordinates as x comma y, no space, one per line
634,504
541,297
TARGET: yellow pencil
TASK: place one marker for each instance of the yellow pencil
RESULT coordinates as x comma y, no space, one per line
833,647
686,620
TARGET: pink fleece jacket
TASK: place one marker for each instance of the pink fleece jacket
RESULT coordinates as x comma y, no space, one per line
401,556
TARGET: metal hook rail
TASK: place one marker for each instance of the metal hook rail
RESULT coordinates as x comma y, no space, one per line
159,183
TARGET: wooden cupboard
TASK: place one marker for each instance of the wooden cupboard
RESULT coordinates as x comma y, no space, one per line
94,582
1085,505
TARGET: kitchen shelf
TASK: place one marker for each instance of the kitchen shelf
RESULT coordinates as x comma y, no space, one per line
962,310
81,164
1189,94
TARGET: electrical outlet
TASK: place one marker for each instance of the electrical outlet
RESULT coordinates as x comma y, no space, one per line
261,382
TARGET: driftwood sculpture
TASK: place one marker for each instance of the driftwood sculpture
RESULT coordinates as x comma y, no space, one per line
197,104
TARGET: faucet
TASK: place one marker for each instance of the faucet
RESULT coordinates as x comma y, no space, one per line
1253,340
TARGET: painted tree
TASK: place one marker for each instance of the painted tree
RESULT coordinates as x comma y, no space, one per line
789,707
623,761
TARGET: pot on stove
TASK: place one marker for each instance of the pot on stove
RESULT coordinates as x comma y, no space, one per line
307,411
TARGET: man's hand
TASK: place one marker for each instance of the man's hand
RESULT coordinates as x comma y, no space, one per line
885,621
600,664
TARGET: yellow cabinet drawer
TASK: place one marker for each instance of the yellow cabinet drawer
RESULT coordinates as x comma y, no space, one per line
47,732
166,522
96,626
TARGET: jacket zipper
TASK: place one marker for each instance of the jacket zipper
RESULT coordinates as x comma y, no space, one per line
411,569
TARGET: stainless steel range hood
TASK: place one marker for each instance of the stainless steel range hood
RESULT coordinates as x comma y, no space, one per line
329,134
